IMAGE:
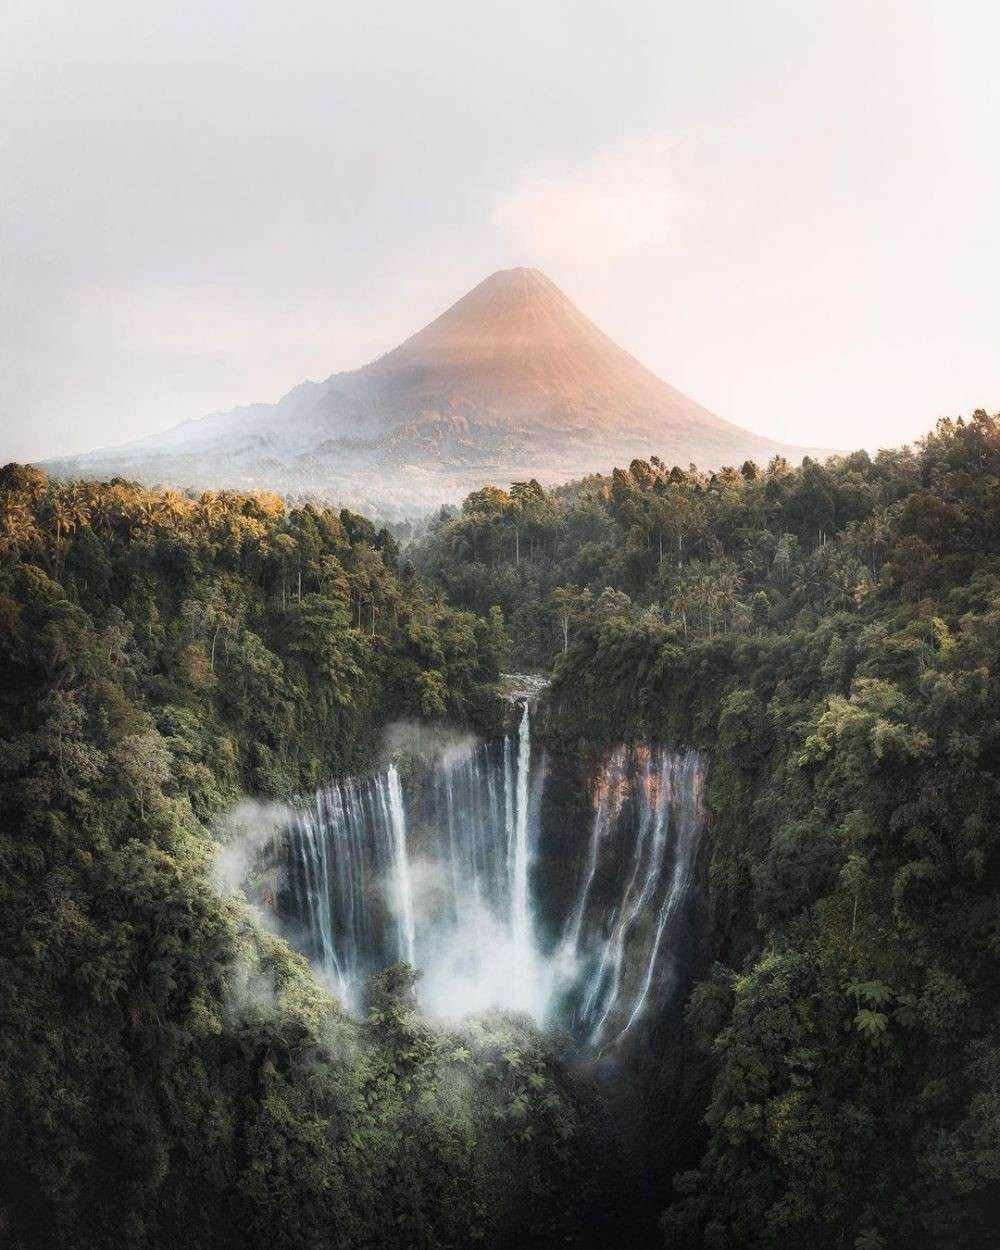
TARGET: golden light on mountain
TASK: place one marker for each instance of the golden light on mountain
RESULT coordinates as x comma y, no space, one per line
512,381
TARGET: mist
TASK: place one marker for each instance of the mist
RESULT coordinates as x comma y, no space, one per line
242,834
434,860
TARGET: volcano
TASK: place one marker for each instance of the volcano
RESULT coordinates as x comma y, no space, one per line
511,382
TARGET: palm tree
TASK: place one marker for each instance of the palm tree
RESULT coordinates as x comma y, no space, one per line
67,512
17,527
78,504
872,537
683,597
846,579
709,593
727,581
212,508
141,514
171,508
102,510
810,580
60,517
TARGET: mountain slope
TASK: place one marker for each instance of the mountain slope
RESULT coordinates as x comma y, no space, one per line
511,381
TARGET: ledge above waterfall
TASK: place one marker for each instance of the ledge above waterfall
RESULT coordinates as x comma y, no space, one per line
518,687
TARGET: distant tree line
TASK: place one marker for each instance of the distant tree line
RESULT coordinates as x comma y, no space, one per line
735,551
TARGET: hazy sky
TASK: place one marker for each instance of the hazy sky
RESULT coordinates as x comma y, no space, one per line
787,208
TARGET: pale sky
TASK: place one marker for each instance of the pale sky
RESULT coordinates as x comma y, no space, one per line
788,209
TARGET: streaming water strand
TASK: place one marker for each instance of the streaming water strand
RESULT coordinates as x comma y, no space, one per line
438,870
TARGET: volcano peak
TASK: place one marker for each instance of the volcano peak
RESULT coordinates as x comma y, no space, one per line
523,274
511,381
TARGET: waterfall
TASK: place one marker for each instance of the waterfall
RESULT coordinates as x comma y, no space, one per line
401,867
647,822
520,910
664,861
508,804
607,798
604,991
313,848
690,819
439,869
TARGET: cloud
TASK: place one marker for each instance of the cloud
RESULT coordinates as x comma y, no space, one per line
609,205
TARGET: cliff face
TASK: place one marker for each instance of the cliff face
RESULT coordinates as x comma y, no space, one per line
561,886
512,381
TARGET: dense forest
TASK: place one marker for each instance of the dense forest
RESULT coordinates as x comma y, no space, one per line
828,635
170,1073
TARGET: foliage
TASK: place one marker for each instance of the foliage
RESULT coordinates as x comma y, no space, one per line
169,1074
828,635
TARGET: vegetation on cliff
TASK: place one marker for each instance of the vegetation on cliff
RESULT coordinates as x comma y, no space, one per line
829,636
169,1073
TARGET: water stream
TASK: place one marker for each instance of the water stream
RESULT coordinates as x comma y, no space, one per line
441,869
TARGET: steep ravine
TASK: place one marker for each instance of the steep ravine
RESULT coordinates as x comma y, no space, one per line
515,874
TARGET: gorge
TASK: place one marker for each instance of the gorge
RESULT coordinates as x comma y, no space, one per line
705,934
508,875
